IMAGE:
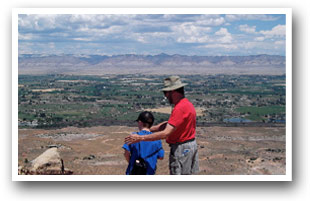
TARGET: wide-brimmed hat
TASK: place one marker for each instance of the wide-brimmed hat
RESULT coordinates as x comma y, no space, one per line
172,83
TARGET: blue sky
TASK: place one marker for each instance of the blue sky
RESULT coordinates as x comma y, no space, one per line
203,35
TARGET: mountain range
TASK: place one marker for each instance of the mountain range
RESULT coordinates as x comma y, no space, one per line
150,64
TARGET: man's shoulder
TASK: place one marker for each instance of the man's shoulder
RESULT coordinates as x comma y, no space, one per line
184,103
187,101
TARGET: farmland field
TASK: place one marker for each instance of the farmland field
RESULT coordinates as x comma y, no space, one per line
56,101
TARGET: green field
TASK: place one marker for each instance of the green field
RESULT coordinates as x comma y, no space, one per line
260,113
69,100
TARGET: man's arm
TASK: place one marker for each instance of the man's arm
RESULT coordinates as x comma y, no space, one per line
134,138
159,127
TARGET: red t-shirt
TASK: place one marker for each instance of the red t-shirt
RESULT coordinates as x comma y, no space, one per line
183,118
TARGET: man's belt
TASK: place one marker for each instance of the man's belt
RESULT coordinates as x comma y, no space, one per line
178,143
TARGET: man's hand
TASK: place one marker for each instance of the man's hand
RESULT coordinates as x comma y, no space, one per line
133,138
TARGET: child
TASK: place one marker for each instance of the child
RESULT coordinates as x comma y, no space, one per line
148,151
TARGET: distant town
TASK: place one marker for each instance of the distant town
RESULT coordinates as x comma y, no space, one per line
61,100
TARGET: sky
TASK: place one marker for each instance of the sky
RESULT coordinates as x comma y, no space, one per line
152,34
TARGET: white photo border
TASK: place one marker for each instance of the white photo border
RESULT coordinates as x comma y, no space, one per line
286,177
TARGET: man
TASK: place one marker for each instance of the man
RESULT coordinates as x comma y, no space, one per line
179,131
148,151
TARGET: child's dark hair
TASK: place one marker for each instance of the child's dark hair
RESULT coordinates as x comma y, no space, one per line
146,118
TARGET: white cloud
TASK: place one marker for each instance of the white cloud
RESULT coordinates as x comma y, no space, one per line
225,36
95,20
259,38
51,45
148,37
261,17
191,33
199,20
78,18
250,45
212,21
38,22
59,34
191,29
277,31
247,29
193,39
28,36
279,42
221,32
223,46
262,46
138,37
225,39
100,32
82,39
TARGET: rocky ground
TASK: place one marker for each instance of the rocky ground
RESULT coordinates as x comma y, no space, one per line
222,150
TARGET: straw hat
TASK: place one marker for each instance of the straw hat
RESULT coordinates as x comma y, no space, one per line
172,83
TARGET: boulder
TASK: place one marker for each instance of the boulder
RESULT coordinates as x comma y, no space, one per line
48,163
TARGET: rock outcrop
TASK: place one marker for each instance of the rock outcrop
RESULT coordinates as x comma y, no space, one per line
48,163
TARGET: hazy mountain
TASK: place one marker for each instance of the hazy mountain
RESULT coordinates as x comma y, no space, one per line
150,64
